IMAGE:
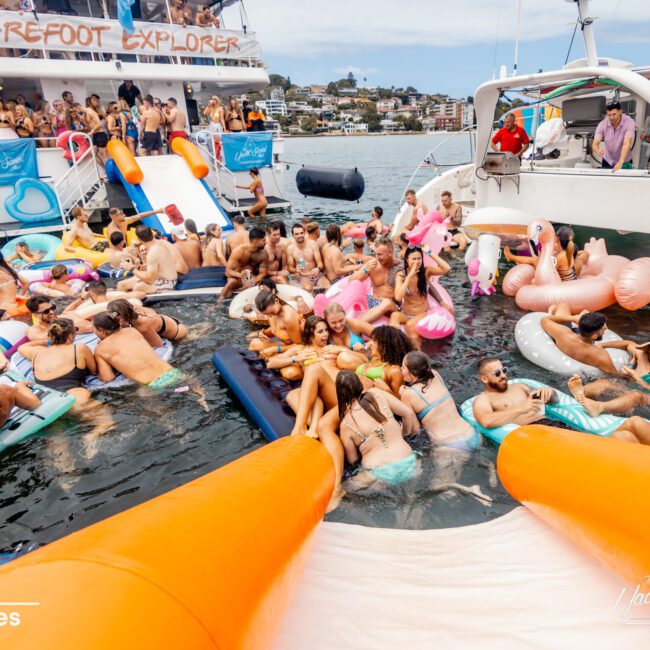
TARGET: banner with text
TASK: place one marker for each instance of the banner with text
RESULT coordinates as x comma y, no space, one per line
245,150
17,160
74,33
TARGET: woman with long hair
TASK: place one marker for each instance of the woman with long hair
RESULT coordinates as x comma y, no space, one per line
60,117
65,365
234,117
348,333
154,327
285,326
24,124
412,290
257,190
10,284
568,260
215,114
214,253
191,230
128,127
370,433
7,123
43,126
112,122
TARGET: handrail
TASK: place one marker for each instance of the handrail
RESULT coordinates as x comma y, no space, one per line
226,179
430,161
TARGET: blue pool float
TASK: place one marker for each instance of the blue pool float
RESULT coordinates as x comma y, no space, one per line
46,244
13,201
567,410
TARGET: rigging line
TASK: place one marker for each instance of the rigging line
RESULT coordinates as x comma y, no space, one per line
618,6
575,29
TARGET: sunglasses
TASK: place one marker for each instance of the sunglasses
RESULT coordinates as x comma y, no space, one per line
49,310
497,373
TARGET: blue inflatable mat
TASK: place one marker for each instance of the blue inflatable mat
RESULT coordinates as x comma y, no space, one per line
205,276
261,391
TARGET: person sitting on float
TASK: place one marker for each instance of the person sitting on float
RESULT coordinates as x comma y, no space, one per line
347,333
82,232
59,282
10,284
44,312
22,252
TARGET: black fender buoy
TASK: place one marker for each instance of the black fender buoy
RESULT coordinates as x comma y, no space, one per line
331,183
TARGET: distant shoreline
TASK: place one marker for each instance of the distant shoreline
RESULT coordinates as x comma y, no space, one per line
357,135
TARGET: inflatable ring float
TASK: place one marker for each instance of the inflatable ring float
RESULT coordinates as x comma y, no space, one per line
243,304
79,141
44,244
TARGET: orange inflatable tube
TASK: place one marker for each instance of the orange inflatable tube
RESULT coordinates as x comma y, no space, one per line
125,161
211,564
192,156
593,490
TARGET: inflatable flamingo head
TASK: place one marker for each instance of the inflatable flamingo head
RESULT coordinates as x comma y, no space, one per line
437,237
541,232
416,235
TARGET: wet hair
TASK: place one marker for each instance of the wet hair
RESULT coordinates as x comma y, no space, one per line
256,233
35,302
358,243
190,226
122,308
60,330
106,322
116,238
371,232
312,226
281,225
296,226
379,211
419,366
310,327
97,286
58,271
7,268
239,220
255,171
484,363
269,284
264,300
333,234
144,233
423,285
348,389
333,308
392,344
591,323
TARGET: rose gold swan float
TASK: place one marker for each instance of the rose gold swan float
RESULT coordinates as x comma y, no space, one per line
536,289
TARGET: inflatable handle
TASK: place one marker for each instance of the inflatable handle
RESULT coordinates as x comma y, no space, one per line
125,162
192,156
211,564
591,489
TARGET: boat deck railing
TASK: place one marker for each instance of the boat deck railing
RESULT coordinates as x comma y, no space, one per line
220,176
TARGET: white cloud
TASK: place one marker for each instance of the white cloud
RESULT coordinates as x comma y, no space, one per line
359,73
310,28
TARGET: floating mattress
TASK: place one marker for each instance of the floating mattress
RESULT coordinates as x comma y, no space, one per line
105,270
22,423
261,391
22,366
199,284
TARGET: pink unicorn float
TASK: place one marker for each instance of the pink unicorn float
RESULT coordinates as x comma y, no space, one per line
537,288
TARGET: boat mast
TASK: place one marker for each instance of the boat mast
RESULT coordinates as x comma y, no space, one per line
586,24
517,34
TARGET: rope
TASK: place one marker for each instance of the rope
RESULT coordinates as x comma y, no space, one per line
575,29
424,163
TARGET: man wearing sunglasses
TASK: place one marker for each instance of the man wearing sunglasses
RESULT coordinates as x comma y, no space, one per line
44,311
503,403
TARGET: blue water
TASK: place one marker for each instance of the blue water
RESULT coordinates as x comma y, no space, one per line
64,478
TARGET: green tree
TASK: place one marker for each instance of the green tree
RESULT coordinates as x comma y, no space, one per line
332,89
372,118
279,80
308,123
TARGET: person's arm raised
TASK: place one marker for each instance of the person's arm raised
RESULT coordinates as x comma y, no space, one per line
364,271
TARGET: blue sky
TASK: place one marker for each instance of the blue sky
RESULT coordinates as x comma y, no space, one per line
436,45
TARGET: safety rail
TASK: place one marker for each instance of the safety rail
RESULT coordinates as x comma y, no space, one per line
429,161
81,182
223,179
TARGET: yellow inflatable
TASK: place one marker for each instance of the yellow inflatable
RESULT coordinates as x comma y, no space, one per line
95,257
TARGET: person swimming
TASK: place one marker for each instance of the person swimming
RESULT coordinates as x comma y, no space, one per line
347,332
370,431
285,326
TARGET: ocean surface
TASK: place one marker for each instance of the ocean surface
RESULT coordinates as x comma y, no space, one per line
66,477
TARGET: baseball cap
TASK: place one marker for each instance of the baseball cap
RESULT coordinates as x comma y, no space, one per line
179,232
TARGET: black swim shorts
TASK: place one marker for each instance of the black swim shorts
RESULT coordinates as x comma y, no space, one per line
151,141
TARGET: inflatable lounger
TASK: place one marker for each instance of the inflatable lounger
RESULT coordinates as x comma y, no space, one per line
567,410
21,423
204,281
22,366
261,391
45,244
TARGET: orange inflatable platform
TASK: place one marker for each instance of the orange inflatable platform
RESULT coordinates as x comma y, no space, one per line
593,490
211,564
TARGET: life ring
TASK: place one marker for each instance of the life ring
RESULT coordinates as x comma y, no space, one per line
12,334
358,231
42,271
539,348
43,289
45,244
78,139
246,298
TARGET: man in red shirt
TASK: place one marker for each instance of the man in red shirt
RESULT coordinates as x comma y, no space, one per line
512,137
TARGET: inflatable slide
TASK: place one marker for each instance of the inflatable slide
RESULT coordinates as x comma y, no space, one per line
174,180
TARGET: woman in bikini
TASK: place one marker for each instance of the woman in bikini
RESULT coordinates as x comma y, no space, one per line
214,253
192,231
154,327
234,118
7,123
48,362
10,284
60,118
215,114
44,126
370,433
113,124
257,190
347,333
412,289
284,330
24,125
128,127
